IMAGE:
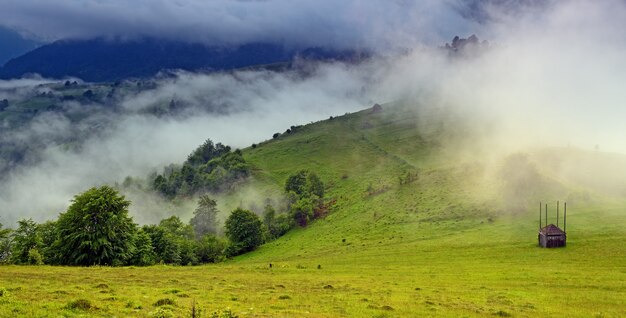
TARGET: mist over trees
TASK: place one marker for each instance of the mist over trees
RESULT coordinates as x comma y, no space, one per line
97,230
466,46
209,168
276,225
204,220
50,129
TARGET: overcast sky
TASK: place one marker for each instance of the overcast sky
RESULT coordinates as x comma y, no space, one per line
371,23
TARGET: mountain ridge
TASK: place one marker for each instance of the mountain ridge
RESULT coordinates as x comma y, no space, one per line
105,60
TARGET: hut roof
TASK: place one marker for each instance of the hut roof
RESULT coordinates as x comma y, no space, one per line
551,229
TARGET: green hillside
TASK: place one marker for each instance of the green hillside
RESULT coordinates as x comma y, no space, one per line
427,221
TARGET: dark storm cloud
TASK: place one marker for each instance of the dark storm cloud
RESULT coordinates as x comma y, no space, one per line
372,23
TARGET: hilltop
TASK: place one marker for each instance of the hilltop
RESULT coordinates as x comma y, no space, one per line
428,221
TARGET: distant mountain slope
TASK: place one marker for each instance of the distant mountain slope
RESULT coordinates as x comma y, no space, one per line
13,45
101,60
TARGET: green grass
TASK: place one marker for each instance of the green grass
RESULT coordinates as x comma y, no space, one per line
444,244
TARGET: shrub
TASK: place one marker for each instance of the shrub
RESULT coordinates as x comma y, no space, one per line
210,249
305,184
164,302
305,191
82,304
34,257
187,249
296,182
161,312
314,185
225,313
276,226
302,211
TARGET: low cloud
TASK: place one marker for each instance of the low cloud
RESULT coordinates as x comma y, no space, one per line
553,78
236,109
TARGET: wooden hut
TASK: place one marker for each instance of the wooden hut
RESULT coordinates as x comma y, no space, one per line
551,235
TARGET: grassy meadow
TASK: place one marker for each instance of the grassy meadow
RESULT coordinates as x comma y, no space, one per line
422,226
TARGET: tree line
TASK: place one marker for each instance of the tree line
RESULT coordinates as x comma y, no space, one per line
97,229
209,168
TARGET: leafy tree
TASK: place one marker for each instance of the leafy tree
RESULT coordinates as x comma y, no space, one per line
176,227
25,238
164,244
187,249
144,252
210,249
244,230
48,233
160,185
269,217
204,220
302,210
5,244
34,257
208,168
304,183
284,223
296,182
314,185
206,152
276,226
173,241
4,233
305,191
188,174
96,229
234,163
